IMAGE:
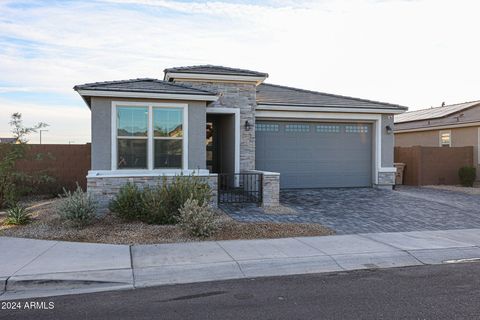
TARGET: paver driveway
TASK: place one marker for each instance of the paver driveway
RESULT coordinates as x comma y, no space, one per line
362,210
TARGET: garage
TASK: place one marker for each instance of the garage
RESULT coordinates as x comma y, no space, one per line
315,154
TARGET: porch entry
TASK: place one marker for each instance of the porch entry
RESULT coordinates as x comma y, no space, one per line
233,186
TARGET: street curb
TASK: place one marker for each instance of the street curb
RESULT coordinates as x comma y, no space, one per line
54,284
171,264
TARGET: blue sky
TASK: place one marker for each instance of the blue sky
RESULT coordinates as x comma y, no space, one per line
416,53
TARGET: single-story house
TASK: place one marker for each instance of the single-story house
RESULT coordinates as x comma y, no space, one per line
456,125
208,120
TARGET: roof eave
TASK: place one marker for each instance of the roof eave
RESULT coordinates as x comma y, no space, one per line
326,108
145,95
215,77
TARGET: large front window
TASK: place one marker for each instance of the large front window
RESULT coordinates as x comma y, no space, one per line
132,136
168,135
149,137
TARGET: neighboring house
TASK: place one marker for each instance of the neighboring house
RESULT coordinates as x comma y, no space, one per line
456,125
7,140
212,119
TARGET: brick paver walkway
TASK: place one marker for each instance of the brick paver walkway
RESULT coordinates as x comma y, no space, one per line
363,210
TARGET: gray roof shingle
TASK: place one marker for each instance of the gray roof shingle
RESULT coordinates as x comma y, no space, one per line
148,85
272,94
434,113
211,69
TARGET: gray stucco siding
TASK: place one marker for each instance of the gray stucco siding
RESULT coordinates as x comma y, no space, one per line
101,112
101,109
197,118
388,141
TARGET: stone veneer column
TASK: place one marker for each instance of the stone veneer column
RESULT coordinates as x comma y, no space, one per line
271,189
386,180
235,95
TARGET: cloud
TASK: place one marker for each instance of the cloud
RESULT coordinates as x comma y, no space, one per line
416,53
66,124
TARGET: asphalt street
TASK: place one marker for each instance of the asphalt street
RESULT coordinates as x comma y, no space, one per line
426,292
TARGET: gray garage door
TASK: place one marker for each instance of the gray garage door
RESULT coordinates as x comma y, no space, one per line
315,155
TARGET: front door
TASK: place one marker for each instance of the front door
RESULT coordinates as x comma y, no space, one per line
212,142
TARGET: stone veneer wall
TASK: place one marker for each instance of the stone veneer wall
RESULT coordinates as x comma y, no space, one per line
104,189
235,95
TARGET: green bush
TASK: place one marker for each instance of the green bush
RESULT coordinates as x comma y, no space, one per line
77,207
17,215
128,203
183,188
467,176
197,220
9,155
155,208
160,204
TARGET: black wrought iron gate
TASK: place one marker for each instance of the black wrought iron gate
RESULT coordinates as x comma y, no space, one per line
240,188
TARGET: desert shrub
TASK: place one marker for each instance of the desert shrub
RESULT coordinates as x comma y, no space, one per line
183,188
197,220
467,176
155,208
9,154
37,183
176,193
127,204
159,204
77,207
17,215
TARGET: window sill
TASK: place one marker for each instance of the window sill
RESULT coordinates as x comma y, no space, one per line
146,173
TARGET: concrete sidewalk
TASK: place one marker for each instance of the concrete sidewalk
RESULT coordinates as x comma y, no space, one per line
35,268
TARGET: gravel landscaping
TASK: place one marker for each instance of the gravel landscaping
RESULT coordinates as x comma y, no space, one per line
46,224
474,191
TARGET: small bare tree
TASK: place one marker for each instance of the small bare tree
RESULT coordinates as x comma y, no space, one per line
10,154
20,132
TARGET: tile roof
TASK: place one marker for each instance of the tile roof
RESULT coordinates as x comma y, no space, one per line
271,94
434,113
211,69
143,85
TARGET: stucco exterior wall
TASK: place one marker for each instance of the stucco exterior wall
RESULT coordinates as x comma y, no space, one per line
235,95
461,137
101,109
388,141
421,138
101,112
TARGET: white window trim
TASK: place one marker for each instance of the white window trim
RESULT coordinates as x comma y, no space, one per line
375,119
150,106
440,137
236,113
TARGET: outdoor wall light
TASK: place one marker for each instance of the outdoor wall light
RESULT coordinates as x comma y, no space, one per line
389,129
248,126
